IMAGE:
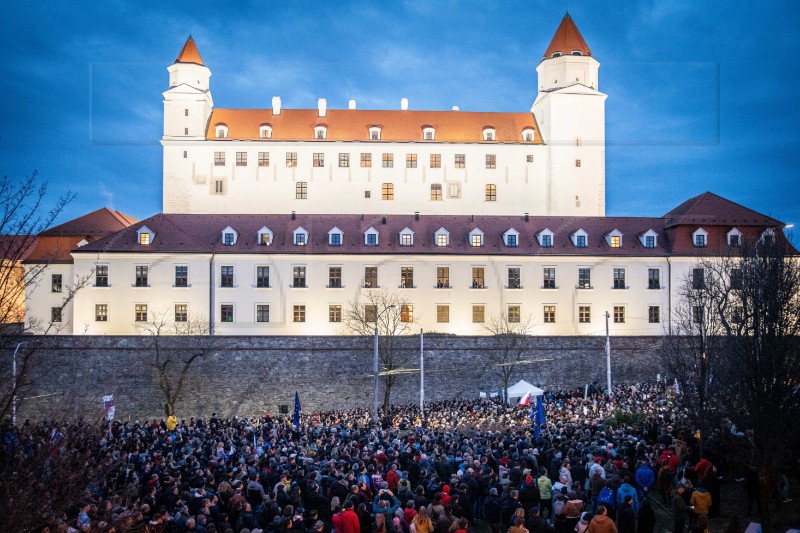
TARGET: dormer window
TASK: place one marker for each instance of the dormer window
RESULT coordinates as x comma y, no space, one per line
580,239
375,133
320,132
265,236
221,131
144,236
614,239
577,53
407,237
229,236
428,133
556,54
511,238
527,135
545,238
265,131
734,238
300,236
476,238
489,134
371,237
649,239
700,238
441,238
335,237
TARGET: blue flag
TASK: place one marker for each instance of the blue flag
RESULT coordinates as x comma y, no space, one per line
297,409
539,419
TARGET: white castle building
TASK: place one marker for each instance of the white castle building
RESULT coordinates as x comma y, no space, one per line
276,220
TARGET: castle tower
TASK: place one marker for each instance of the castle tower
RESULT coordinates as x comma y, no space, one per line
570,111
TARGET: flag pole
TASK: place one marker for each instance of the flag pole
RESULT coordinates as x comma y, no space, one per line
421,374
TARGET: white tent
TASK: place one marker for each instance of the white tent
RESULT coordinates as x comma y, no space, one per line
520,388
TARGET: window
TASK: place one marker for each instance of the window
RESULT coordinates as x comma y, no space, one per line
301,190
298,313
144,238
547,240
221,131
549,278
491,193
527,135
619,314
263,159
737,279
219,159
653,314
491,161
442,314
140,312
577,162
375,134
226,313
219,188
406,239
344,160
615,241
319,159
511,240
101,276
406,277
442,239
514,281
101,313
366,160
411,160
320,132
56,283
436,191
181,276
371,277
241,159
262,277
454,190
698,278
265,132
335,277
141,276
734,238
700,240
367,194
264,237
226,276
514,314
228,238
549,314
55,314
291,159
388,160
478,278
584,278
529,157
697,314
370,313
372,239
186,112
619,278
476,239
653,278
584,314
406,313
334,313
181,312
580,241
649,241
488,135
436,160
387,191
442,277
262,313
428,134
298,277
335,239
185,154
478,314
460,161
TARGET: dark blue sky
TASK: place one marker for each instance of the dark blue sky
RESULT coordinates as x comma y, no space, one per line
701,95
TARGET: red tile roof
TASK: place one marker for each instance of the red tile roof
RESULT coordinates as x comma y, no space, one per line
189,53
354,124
567,40
16,247
710,209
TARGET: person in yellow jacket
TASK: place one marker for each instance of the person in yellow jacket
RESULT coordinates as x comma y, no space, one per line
171,422
700,502
545,493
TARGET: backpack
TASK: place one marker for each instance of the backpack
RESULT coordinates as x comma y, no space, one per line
606,497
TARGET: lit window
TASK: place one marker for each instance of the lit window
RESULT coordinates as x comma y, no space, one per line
407,277
226,276
478,314
219,159
299,239
442,277
262,313
319,159
549,314
56,284
298,277
301,190
388,160
584,314
441,239
491,193
491,161
615,241
460,161
387,191
265,238
654,314
619,278
619,314
181,313
262,277
411,160
334,313
436,160
406,239
366,160
442,314
241,159
344,160
298,313
406,313
291,159
514,314
263,159
478,278
436,191
140,312
226,313
476,240
101,313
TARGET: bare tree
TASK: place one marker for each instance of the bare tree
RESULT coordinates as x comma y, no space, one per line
508,346
394,315
170,362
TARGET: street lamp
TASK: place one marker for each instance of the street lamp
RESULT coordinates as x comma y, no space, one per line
375,363
14,384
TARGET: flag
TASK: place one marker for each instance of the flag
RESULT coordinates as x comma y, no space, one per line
539,418
677,388
108,405
525,400
297,409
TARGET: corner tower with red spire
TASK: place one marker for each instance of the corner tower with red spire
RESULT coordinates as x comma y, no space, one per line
570,111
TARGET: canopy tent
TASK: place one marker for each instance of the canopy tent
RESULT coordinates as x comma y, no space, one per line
520,388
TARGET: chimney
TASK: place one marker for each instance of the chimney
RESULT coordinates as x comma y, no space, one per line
352,104
455,108
293,215
527,217
416,216
276,105
383,220
322,106
404,104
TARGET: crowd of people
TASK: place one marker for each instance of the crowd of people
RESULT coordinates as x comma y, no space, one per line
457,466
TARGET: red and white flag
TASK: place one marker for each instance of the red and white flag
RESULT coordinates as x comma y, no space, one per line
525,400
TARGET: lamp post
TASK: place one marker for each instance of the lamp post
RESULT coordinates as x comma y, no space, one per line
608,356
14,384
375,363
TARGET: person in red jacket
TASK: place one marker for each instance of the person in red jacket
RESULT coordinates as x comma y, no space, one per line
349,519
392,477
